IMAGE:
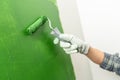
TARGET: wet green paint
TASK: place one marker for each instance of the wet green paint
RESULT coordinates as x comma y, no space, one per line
54,1
30,57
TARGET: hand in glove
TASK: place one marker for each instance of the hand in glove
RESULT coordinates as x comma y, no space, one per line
72,44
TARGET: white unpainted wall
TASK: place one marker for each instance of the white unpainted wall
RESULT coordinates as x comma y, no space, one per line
71,24
100,20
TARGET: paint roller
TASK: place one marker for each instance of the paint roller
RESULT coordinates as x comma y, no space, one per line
40,22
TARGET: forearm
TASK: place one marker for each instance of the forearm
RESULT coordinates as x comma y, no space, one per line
95,55
105,60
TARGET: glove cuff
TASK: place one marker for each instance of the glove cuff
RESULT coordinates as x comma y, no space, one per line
85,49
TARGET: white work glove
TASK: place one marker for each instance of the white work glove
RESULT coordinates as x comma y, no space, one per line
72,44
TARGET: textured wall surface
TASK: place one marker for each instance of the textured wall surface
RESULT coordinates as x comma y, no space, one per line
31,57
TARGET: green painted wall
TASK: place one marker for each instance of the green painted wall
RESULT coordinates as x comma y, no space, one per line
31,57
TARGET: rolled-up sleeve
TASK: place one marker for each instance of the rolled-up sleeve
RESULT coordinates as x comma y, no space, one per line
111,63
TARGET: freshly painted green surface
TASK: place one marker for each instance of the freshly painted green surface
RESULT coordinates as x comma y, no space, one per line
30,57
54,1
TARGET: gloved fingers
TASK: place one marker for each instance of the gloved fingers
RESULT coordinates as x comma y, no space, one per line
56,41
66,37
65,44
73,47
71,52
